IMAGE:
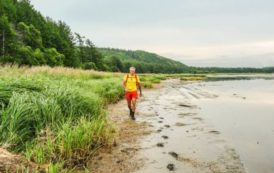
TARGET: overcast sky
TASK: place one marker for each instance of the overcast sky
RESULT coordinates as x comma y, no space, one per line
195,32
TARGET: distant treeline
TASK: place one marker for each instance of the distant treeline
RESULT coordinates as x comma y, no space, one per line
231,70
28,38
145,62
120,60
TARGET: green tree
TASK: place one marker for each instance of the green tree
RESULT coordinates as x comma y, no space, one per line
115,64
53,57
80,51
67,47
39,57
7,36
89,66
7,8
30,35
25,56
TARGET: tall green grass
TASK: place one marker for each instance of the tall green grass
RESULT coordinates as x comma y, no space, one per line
56,116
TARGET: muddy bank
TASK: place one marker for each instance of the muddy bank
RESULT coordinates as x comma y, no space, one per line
169,135
15,163
121,158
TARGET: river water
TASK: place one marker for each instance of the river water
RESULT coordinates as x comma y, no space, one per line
221,126
244,114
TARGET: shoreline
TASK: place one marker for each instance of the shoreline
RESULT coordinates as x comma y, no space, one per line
142,146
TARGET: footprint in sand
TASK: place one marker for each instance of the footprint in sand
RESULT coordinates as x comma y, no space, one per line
159,130
214,132
198,118
171,167
173,154
180,124
160,144
165,137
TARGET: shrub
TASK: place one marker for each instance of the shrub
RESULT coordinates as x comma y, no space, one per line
89,66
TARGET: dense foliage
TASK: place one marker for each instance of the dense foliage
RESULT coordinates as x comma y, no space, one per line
28,38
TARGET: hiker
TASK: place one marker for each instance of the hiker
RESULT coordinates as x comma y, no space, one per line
131,84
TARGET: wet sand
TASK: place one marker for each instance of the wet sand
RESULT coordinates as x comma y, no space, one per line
171,134
243,113
189,144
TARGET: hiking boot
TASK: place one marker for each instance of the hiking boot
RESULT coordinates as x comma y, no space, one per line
130,113
133,116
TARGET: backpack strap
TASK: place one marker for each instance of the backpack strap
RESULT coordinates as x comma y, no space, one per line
127,78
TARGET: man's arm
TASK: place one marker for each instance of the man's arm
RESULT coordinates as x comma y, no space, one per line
140,89
139,86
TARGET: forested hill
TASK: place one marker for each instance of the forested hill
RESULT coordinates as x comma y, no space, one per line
28,38
121,60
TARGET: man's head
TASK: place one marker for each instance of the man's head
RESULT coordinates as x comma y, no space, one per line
132,70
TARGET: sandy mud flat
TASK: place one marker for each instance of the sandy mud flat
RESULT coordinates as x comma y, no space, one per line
170,134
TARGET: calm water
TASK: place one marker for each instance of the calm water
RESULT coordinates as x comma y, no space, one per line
244,114
223,126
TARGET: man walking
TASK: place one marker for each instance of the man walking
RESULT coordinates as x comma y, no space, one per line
131,84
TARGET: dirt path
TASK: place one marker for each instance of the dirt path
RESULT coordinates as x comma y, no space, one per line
122,158
169,135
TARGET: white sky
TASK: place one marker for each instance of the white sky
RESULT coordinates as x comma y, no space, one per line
195,32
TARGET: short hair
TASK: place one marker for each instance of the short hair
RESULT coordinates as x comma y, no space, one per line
132,68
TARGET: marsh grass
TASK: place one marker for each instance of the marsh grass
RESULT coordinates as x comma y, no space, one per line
192,78
56,116
148,80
